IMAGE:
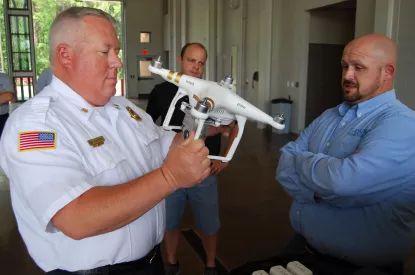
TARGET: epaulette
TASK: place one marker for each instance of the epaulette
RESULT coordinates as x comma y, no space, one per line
40,106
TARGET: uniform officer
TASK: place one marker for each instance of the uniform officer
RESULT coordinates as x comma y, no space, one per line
88,171
6,95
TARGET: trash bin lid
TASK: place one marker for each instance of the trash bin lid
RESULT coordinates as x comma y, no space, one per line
281,100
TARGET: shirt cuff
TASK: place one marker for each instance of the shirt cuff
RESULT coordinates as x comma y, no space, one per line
61,203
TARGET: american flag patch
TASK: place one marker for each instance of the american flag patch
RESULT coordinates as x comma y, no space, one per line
37,141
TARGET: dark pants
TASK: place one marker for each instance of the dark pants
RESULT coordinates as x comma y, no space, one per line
319,264
3,119
152,264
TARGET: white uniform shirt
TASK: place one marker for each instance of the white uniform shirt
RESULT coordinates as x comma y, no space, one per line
43,181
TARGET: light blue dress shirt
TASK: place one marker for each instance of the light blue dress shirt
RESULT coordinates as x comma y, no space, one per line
361,161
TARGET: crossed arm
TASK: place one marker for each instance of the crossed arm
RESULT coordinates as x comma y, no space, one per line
386,148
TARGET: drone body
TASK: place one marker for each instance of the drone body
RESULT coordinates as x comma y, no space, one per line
212,103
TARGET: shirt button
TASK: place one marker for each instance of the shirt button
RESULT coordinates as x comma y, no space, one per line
343,123
110,162
298,212
328,144
358,115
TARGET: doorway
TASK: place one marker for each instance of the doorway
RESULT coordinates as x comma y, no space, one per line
331,28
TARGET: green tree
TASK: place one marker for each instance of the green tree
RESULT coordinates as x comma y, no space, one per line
44,11
3,38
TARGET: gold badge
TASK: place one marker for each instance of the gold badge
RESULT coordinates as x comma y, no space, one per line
95,142
133,114
84,110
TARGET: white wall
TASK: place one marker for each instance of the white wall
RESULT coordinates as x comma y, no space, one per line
405,38
384,13
332,27
141,15
294,55
282,48
197,27
233,37
198,21
248,34
265,55
289,34
252,51
277,57
365,17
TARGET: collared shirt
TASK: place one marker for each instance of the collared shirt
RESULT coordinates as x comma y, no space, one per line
6,85
43,181
360,160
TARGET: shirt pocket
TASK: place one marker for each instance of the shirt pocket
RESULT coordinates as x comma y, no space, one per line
347,147
103,163
149,142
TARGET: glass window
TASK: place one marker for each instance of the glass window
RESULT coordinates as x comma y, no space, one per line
145,37
18,4
144,71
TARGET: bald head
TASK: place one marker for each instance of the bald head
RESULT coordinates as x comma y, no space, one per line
376,46
369,64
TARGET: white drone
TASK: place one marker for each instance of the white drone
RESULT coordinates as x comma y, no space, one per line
212,103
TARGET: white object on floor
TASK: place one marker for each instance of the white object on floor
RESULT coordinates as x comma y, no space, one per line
260,272
279,270
297,268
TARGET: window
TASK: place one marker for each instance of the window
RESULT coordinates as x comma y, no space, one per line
145,37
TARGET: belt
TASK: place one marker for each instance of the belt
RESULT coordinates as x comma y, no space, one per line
109,269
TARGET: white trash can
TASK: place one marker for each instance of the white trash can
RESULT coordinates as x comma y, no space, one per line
282,106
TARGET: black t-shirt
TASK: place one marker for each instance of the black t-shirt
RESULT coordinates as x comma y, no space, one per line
158,104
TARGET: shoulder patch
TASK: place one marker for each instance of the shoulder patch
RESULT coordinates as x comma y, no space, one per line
36,140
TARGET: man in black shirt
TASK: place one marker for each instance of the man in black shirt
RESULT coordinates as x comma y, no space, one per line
203,197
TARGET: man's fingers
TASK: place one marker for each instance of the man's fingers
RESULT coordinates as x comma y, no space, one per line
226,130
206,163
188,137
204,152
205,174
194,146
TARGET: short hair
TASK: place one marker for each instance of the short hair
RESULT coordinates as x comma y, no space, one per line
63,25
182,53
